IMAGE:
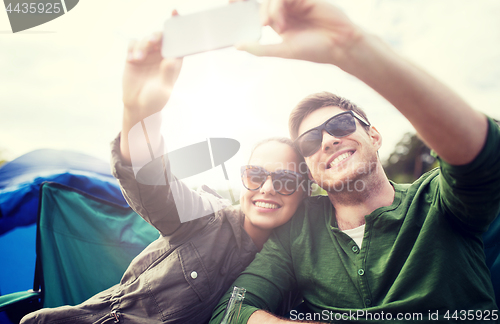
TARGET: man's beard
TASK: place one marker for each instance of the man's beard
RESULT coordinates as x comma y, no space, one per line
356,181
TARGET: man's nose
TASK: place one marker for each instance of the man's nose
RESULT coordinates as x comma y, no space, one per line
329,141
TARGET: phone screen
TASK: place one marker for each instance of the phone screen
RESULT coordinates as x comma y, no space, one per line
212,29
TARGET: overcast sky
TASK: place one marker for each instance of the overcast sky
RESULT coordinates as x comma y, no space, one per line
60,83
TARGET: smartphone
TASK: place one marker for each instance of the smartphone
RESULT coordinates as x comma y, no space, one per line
212,29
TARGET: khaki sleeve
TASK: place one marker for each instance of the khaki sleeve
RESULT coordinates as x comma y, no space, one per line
162,204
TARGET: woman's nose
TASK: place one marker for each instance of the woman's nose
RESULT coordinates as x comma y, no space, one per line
268,186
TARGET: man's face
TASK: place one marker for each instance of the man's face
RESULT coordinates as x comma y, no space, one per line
341,164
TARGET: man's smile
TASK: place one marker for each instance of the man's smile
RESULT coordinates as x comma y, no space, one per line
339,157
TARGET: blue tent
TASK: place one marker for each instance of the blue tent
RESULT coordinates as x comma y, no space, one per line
20,182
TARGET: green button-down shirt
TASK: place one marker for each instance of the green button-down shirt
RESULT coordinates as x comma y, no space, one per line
421,258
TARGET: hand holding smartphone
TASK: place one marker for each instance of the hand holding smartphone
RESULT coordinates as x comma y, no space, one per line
212,29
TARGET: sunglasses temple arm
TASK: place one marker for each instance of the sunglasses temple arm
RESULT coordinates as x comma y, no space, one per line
228,183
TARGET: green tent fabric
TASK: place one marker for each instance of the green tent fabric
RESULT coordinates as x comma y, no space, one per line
84,244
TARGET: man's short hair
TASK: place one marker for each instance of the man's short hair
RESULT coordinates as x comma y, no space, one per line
316,101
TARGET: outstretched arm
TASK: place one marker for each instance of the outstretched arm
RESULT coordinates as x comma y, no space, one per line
156,195
317,31
148,81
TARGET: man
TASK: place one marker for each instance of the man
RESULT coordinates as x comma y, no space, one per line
373,249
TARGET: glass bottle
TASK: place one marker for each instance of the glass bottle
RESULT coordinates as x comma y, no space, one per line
233,308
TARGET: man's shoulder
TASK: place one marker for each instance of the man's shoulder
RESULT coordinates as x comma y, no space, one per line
426,181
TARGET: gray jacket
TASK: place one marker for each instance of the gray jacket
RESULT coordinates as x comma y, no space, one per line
180,277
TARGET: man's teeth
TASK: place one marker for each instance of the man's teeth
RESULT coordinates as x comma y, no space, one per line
340,158
266,205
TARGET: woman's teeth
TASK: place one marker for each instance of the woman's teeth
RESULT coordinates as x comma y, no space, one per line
266,205
340,158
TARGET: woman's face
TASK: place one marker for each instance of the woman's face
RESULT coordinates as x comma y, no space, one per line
265,208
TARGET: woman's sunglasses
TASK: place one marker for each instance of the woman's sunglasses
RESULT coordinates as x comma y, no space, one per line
285,182
340,125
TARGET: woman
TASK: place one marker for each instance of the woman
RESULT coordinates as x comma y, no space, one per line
180,277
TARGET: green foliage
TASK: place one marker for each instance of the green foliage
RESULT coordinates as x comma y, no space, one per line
410,159
318,191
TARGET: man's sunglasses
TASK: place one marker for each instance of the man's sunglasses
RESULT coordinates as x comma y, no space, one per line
340,125
285,182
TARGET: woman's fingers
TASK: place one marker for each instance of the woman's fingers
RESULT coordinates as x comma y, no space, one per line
130,50
139,50
170,71
155,41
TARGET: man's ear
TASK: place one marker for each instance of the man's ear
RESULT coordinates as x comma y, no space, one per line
376,137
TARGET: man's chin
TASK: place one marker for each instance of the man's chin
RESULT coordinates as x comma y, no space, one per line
348,184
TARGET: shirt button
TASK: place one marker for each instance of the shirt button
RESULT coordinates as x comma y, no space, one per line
361,272
194,274
368,302
355,249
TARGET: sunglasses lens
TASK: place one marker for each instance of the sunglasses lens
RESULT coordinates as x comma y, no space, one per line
309,143
341,125
253,178
285,183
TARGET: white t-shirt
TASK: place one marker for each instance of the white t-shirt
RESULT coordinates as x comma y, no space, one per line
356,234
